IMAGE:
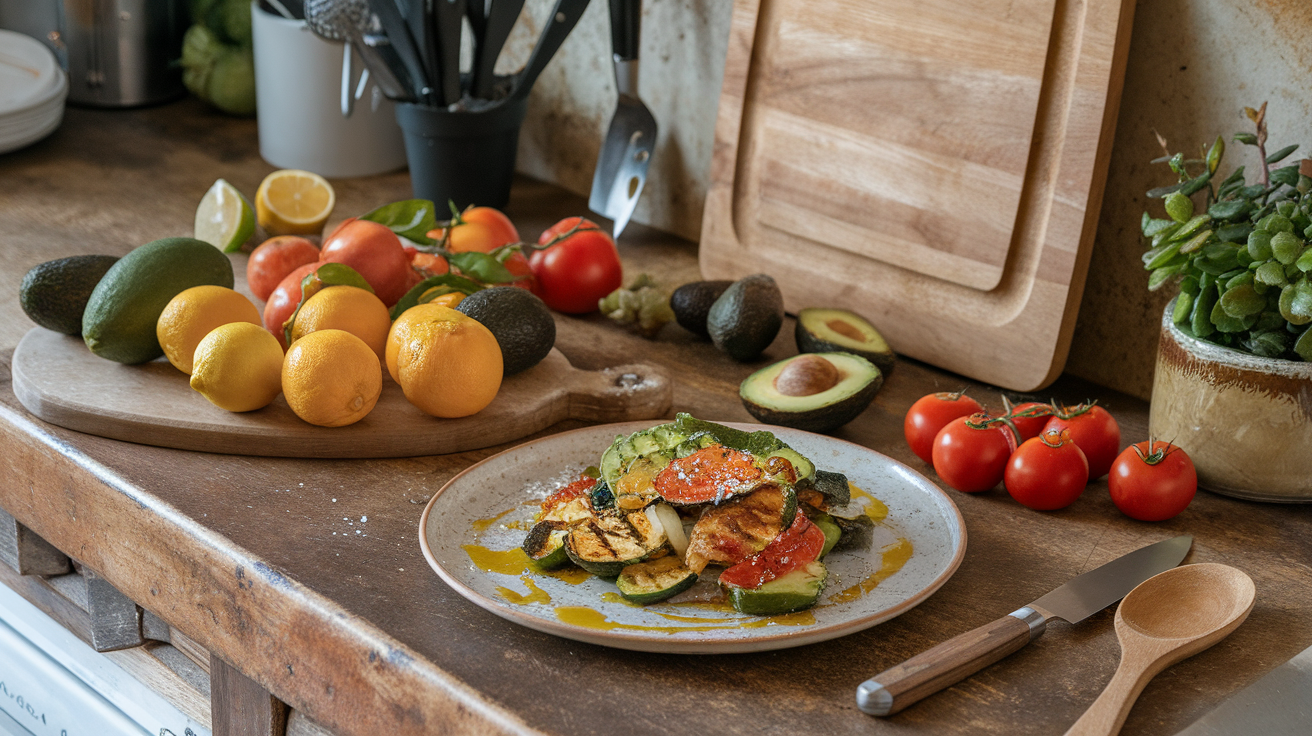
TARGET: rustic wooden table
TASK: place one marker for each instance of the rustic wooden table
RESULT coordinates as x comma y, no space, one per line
358,634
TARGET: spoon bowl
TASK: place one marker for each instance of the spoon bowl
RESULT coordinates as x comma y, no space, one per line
1167,618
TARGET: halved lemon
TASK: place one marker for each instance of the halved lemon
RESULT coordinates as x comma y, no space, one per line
294,202
224,218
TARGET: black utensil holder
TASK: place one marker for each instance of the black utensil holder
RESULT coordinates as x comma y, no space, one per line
467,157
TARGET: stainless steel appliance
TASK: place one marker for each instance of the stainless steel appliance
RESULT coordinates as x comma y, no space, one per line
118,53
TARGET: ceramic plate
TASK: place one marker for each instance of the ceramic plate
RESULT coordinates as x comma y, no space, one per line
472,528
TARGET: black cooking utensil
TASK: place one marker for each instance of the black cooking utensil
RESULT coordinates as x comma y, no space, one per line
500,19
449,16
403,44
559,24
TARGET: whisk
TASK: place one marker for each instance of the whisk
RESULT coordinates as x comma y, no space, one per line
352,21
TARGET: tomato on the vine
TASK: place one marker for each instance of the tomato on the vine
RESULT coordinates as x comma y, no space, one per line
970,453
1094,431
575,272
1030,418
1047,472
1152,481
931,413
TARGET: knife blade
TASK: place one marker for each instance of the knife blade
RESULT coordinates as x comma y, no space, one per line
626,151
1279,704
956,659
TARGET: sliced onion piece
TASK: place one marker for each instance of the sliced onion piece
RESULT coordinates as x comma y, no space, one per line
668,518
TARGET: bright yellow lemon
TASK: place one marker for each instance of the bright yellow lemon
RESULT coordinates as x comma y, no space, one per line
294,202
238,367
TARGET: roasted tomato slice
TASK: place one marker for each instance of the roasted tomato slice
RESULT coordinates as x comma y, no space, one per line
570,492
796,548
711,474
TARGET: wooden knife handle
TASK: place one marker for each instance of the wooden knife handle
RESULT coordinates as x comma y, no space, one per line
948,663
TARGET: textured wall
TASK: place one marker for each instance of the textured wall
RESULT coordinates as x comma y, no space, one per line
681,66
1193,66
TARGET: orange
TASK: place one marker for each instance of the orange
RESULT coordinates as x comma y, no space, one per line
193,314
347,308
450,299
448,364
331,378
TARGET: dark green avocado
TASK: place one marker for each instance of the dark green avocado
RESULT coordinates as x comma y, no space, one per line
838,330
520,322
747,317
817,392
692,303
55,293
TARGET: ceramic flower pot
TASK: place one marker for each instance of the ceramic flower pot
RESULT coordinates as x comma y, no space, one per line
1246,421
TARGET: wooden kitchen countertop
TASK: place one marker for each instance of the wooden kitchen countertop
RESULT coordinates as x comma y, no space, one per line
360,635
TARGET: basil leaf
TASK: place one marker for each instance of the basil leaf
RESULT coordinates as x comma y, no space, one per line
409,218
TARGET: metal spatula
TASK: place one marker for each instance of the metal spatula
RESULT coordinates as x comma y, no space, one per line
626,153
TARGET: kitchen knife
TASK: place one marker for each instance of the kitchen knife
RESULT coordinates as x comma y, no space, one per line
626,152
1279,704
956,659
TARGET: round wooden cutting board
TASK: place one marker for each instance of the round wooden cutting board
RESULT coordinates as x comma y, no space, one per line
63,383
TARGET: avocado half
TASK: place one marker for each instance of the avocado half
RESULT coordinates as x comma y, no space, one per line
793,392
838,330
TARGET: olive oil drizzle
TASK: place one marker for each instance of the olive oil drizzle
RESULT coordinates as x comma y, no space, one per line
534,595
894,555
591,618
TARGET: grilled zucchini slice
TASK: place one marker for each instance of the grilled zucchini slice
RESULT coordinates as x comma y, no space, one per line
545,545
795,591
607,543
655,580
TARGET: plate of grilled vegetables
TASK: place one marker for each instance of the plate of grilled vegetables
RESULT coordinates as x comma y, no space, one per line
693,537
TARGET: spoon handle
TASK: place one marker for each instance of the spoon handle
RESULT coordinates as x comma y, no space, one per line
1108,712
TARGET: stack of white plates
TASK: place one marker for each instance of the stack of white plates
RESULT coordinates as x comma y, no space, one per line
32,91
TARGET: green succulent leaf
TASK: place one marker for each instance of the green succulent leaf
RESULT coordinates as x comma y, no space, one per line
1282,154
1179,207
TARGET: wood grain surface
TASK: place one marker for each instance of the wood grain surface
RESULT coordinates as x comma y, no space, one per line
59,380
306,574
936,166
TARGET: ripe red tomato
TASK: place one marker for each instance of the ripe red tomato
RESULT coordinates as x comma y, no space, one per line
574,274
796,547
1096,433
1152,481
929,414
1047,472
284,299
970,453
374,251
273,259
1030,418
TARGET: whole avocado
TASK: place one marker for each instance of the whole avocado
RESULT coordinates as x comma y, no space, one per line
692,302
119,321
521,323
747,317
55,293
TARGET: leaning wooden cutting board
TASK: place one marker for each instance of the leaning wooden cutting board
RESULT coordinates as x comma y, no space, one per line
62,382
935,165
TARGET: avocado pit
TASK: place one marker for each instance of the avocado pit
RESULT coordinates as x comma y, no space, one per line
807,375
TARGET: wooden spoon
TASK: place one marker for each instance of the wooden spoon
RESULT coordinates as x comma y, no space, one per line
1169,617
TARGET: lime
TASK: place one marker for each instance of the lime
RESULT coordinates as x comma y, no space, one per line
224,218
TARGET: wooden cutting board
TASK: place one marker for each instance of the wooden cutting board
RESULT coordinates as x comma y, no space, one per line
935,165
62,382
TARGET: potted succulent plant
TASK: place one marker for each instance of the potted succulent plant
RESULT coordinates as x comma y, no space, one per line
1233,384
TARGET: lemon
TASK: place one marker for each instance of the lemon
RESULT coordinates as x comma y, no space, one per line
448,364
331,378
238,367
192,314
224,218
345,308
294,202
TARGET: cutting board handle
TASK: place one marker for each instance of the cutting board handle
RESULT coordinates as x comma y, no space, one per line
620,394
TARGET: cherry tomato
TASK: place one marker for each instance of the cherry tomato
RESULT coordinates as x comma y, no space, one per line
284,299
274,259
1030,418
970,453
796,547
929,414
1152,481
1047,472
574,274
375,252
1096,433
